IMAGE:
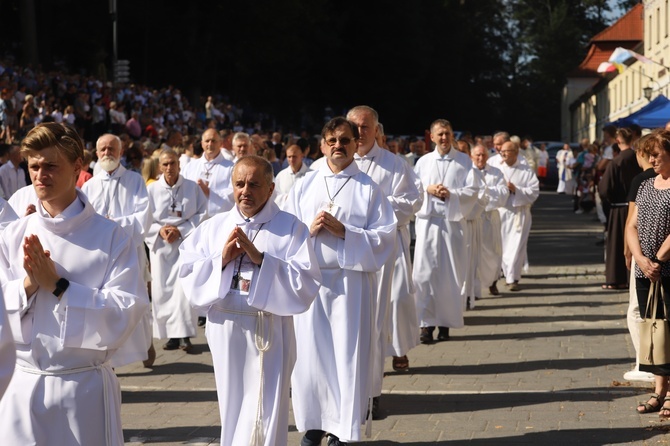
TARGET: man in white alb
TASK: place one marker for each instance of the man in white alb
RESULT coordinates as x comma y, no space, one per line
12,177
121,196
440,250
353,231
178,206
399,184
515,216
251,269
73,295
287,177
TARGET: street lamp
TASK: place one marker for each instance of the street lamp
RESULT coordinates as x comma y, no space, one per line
647,92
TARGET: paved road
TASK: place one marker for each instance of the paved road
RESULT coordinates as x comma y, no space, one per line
539,366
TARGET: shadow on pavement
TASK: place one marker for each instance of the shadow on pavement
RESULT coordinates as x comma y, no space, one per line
167,396
581,437
172,435
541,334
514,367
172,368
517,320
484,306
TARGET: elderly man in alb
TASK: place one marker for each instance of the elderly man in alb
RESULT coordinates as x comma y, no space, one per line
212,173
121,196
178,207
493,191
251,269
440,250
398,183
73,295
515,216
353,230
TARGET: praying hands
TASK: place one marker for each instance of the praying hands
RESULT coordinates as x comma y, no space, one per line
326,221
239,244
40,268
169,233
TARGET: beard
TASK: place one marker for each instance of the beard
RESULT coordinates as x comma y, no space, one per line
108,163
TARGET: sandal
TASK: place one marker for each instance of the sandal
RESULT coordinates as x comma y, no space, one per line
665,409
400,363
648,408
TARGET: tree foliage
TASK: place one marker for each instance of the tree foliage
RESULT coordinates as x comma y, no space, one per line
485,65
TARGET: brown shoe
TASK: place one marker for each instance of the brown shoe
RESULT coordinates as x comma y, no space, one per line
426,335
151,357
514,286
185,344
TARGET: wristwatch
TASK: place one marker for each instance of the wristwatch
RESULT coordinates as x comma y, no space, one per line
61,286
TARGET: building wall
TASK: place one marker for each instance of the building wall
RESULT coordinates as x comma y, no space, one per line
623,93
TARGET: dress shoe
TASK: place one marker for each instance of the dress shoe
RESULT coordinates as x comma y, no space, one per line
312,438
493,290
426,335
443,334
334,441
171,344
185,344
513,286
375,408
202,321
151,357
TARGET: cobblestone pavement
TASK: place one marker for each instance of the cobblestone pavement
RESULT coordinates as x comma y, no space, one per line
543,365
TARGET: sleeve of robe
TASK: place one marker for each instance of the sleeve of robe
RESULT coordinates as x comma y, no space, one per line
497,192
462,199
137,222
367,249
527,191
91,318
220,201
7,350
7,214
407,193
285,284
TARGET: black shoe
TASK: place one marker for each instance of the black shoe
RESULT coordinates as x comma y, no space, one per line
202,321
312,438
185,344
375,408
493,290
334,441
443,334
171,344
426,335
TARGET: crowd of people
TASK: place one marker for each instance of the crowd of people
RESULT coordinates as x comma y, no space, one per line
257,236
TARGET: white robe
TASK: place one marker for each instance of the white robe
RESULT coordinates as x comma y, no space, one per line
7,214
473,241
284,285
173,316
285,181
332,378
564,161
490,253
7,349
515,218
64,389
22,198
441,234
399,184
11,179
217,173
122,197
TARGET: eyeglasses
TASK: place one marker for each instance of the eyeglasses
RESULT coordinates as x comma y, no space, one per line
343,141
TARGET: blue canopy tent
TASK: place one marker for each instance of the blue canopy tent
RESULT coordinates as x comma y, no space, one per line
653,115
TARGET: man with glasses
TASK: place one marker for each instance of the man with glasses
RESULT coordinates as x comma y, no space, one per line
353,229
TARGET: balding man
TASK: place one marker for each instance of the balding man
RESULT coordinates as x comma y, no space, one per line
120,195
251,269
494,192
212,173
515,216
401,187
287,177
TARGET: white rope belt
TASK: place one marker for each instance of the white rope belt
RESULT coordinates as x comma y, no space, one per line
263,341
106,387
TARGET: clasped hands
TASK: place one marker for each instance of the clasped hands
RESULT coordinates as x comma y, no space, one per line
511,187
169,233
39,267
650,269
237,244
438,190
324,220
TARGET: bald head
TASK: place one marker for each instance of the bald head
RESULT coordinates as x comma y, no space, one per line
509,152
